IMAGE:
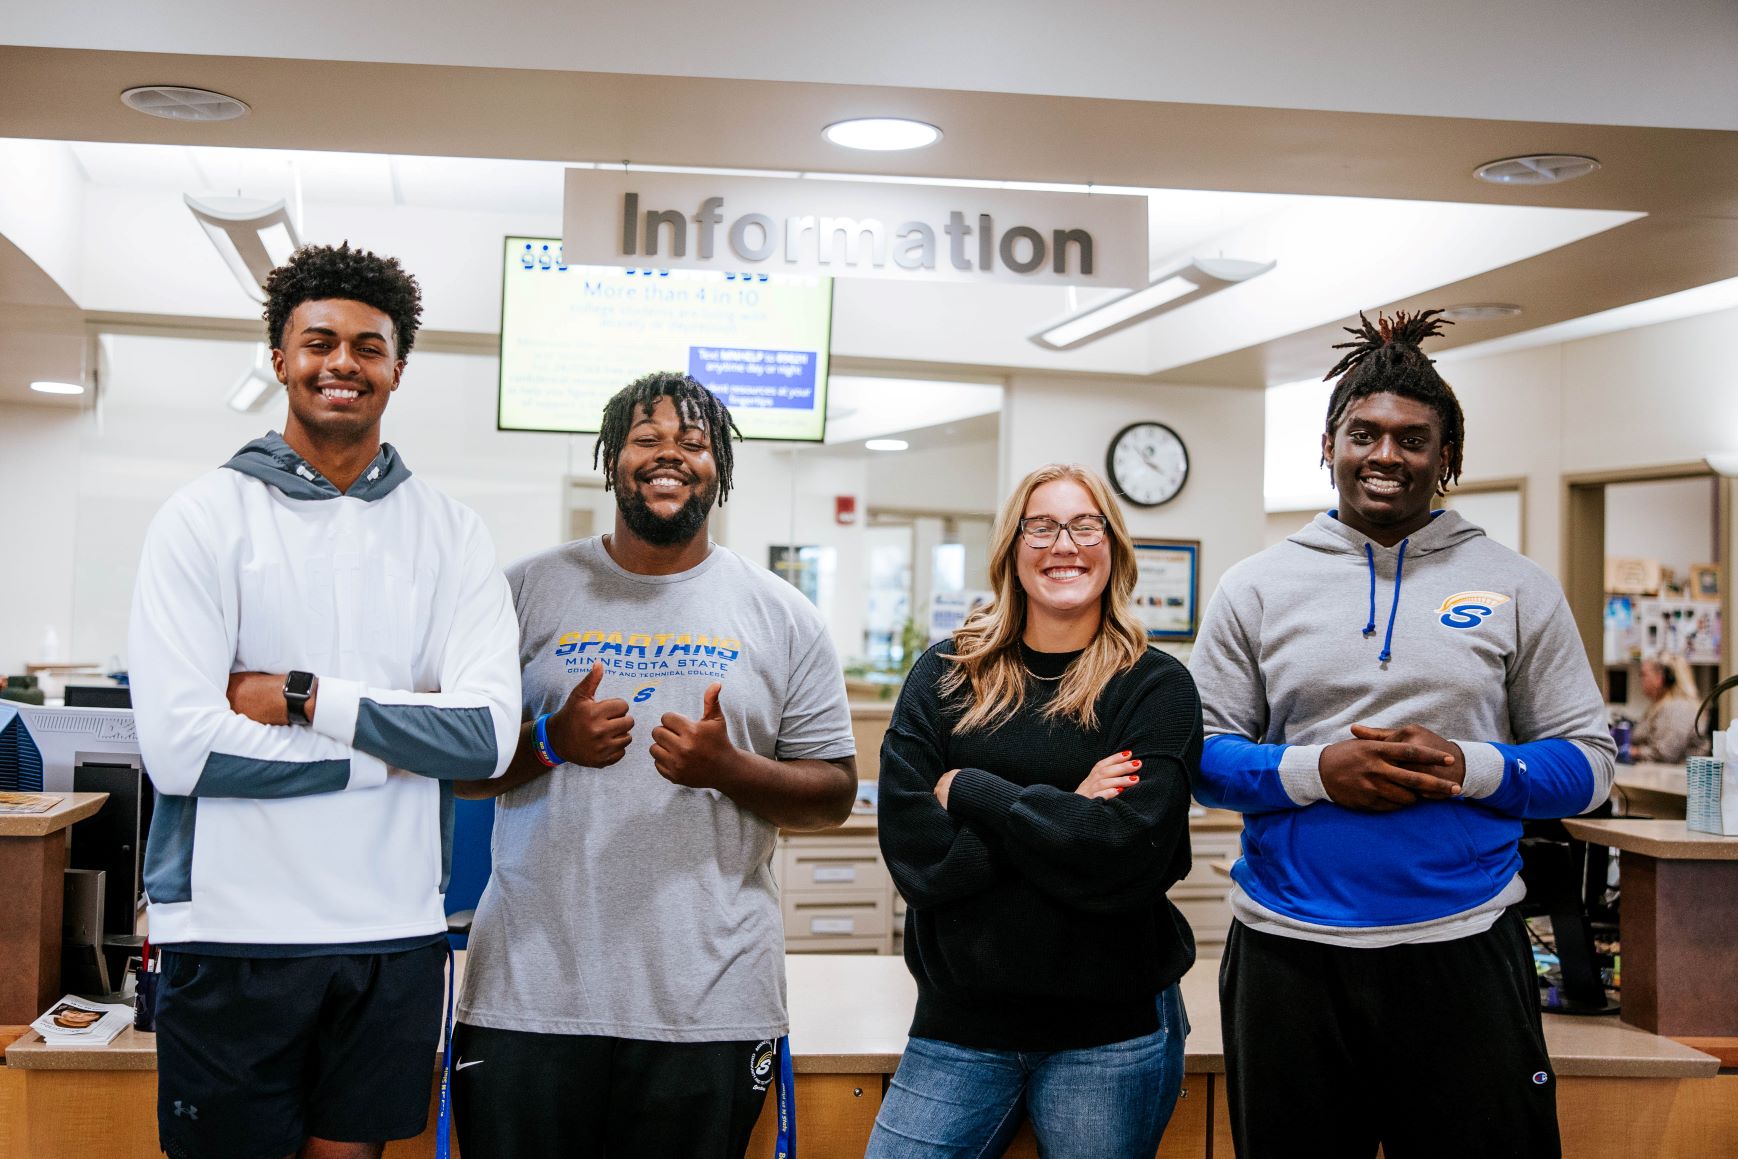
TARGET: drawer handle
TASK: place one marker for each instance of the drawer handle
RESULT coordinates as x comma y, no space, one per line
835,873
832,925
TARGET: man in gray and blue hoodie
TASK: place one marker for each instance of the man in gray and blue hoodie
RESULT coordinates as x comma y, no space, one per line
1388,695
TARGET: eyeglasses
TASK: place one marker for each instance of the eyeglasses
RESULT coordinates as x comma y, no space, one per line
1041,530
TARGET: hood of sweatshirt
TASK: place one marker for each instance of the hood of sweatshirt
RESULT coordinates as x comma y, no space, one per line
1326,533
271,460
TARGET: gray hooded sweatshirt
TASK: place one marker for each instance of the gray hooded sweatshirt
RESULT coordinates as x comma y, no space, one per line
1446,629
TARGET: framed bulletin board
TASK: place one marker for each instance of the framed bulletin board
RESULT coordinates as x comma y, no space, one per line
1167,587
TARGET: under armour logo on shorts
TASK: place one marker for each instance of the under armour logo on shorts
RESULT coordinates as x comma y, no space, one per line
191,1111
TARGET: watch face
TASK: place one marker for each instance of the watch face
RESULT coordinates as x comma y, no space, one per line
1147,463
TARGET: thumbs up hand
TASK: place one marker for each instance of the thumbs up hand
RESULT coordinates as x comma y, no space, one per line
591,732
695,753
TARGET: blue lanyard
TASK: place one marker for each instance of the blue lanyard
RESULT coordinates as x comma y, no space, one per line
443,1124
785,1146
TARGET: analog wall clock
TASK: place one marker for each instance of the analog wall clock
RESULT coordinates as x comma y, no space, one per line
1147,464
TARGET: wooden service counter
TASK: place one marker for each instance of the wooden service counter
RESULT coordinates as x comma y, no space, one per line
33,854
1623,1092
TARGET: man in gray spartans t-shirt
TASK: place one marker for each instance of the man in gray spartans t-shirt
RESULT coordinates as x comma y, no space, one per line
625,981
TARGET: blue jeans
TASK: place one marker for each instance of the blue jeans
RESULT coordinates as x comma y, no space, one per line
1102,1102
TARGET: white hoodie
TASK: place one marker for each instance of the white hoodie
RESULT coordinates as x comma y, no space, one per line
335,835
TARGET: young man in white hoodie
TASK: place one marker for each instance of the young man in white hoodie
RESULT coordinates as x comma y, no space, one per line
320,646
1378,986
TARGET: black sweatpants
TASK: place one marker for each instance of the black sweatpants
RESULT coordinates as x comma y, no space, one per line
1433,1049
518,1095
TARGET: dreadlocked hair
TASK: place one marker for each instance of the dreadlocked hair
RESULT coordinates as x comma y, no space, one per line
1386,358
694,404
317,272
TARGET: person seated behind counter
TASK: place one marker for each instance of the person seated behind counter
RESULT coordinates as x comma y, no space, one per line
1667,732
625,980
1034,810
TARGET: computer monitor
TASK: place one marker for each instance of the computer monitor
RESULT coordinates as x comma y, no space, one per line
68,737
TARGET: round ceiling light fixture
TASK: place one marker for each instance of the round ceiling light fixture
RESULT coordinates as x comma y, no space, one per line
887,444
179,103
1481,311
57,387
1536,169
882,134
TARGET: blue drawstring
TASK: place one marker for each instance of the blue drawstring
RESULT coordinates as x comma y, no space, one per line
1370,558
1370,628
1388,640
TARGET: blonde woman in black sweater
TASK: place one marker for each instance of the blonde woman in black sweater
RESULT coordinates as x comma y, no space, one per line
1034,810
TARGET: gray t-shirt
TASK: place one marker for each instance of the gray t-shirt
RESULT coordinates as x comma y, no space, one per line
621,904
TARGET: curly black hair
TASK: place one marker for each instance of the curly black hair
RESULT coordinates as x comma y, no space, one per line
693,402
317,272
1385,358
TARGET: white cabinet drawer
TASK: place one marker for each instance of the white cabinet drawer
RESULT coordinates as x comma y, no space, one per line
832,865
844,917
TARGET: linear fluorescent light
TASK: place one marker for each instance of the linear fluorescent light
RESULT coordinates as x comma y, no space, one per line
57,387
1196,280
255,386
253,236
886,444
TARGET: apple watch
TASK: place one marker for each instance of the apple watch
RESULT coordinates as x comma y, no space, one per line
298,687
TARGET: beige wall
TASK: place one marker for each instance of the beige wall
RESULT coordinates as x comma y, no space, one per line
1048,419
1652,396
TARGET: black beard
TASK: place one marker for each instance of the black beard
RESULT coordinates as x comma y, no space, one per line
657,530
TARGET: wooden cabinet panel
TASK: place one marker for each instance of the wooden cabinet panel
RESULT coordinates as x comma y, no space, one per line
835,1114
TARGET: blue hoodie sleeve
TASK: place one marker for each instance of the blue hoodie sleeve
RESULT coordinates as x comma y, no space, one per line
1237,772
1562,759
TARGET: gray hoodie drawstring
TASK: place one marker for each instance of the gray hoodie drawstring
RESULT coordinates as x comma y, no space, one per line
1370,628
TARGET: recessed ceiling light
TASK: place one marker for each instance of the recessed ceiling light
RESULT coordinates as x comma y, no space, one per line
179,103
887,444
883,134
57,387
1536,169
1481,311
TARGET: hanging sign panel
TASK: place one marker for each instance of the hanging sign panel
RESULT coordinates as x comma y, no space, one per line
919,233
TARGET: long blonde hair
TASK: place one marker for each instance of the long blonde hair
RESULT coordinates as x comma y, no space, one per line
986,649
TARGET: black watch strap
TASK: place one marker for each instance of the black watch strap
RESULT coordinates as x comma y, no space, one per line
298,687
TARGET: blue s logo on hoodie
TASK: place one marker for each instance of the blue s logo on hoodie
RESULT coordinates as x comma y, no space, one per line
1469,609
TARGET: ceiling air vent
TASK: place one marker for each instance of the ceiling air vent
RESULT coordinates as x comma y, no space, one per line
1536,169
177,103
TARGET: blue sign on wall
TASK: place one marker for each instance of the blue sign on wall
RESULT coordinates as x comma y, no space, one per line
748,379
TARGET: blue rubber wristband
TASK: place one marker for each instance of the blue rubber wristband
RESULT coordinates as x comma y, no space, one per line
545,751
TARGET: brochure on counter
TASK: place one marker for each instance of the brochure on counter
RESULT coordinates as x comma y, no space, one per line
77,1022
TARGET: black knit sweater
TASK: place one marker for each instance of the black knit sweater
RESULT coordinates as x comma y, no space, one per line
1036,918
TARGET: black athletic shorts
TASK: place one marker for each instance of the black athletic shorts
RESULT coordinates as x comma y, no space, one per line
254,1055
519,1095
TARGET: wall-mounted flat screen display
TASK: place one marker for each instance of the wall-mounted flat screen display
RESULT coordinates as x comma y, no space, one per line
571,336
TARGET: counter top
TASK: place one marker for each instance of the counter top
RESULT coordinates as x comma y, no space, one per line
73,807
849,1015
1667,780
1667,840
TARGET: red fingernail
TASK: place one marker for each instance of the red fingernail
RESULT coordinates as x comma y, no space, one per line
1134,780
1127,752
1136,764
1116,792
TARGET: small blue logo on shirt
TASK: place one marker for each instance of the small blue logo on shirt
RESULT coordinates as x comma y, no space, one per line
1469,609
1540,1078
644,694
